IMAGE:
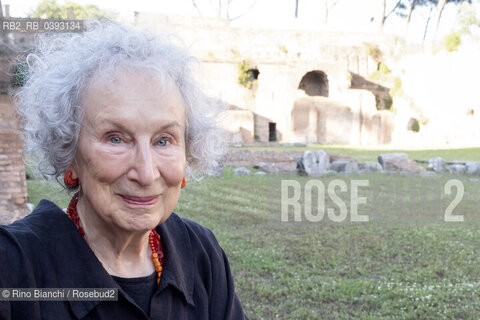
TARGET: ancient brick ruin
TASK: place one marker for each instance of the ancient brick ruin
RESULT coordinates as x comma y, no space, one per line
13,189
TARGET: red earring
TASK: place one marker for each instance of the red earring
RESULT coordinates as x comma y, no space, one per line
184,182
69,181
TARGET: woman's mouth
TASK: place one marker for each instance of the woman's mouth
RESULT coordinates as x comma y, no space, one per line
140,201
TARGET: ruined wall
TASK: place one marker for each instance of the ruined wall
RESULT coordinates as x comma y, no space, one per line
239,125
441,91
13,190
349,119
283,58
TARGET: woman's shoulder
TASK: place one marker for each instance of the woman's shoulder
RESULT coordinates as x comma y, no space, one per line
29,242
200,239
206,261
38,231
46,218
193,228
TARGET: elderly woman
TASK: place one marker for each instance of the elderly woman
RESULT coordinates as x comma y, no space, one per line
116,115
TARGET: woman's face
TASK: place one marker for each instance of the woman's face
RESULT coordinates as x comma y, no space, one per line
131,152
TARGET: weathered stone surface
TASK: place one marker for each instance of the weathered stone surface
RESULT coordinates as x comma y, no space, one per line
472,168
390,173
294,144
266,166
456,168
274,167
300,167
428,174
341,157
242,171
216,171
243,157
13,193
436,164
390,156
313,164
402,164
347,167
406,174
260,173
368,167
330,173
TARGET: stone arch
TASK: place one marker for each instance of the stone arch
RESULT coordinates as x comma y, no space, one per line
315,83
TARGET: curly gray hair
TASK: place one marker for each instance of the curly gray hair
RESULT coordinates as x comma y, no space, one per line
61,66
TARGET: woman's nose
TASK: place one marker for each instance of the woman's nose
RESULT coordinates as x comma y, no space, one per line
144,169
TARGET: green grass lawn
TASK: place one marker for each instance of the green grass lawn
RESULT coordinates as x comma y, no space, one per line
406,262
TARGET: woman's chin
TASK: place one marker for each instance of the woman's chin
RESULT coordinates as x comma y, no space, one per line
138,224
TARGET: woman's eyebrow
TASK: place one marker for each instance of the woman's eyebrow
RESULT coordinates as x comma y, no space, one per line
171,125
118,123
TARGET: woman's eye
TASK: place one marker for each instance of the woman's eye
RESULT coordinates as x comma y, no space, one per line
115,140
162,142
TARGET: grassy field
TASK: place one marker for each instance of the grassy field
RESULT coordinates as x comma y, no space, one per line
406,262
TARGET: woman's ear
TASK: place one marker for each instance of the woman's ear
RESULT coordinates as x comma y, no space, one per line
70,178
73,168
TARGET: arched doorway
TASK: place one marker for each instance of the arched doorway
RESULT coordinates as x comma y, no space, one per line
315,83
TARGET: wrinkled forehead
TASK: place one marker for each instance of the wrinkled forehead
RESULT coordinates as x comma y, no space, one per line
130,93
110,78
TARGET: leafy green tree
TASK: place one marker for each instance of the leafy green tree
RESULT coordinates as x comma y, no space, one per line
452,41
466,18
52,10
404,8
440,7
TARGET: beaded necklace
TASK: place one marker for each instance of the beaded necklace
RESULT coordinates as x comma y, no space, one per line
154,238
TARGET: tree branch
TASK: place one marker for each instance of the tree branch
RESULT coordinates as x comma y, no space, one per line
393,10
245,12
195,5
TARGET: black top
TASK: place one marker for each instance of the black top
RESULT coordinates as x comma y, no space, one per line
140,289
45,250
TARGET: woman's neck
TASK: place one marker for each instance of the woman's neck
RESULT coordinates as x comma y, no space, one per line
123,253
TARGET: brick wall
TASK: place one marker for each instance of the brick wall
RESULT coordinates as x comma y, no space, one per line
13,190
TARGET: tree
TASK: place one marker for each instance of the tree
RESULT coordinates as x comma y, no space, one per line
328,7
223,9
52,10
440,7
466,18
382,16
406,7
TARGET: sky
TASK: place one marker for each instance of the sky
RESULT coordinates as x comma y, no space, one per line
347,15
